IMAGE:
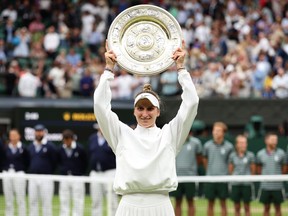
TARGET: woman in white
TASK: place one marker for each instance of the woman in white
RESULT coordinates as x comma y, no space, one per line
145,156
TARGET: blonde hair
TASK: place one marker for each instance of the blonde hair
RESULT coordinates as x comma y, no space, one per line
222,125
147,88
239,137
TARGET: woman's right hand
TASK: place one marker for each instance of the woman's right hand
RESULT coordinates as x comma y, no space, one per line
110,58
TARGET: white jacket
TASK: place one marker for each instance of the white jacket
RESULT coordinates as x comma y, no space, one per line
145,157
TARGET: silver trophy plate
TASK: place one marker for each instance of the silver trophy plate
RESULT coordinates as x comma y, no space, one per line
144,37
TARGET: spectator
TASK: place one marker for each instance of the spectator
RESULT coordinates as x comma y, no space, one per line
268,91
11,77
28,84
241,162
61,57
280,83
241,81
187,162
169,82
203,33
67,89
102,164
37,52
22,47
72,57
43,160
209,78
96,38
25,12
87,83
76,76
9,37
271,161
284,22
56,78
124,83
16,161
63,31
9,13
223,85
51,42
3,56
238,29
37,28
88,19
262,69
197,78
72,162
74,39
215,160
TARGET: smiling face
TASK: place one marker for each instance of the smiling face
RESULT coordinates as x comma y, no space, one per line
145,113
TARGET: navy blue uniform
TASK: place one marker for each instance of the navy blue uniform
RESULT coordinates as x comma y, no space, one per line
102,157
45,160
19,161
76,163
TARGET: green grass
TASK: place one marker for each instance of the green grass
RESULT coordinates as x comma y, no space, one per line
256,208
201,205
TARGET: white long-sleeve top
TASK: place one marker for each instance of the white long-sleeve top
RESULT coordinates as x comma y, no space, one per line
145,157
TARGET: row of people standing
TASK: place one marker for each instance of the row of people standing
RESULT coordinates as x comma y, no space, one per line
44,157
218,156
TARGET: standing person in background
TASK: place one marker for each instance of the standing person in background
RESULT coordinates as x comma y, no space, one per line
215,160
271,161
187,162
145,156
72,162
28,84
43,160
169,82
15,161
102,164
241,162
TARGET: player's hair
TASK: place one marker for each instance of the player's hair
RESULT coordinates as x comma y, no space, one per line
147,88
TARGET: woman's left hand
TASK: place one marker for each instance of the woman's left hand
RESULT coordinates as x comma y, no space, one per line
179,56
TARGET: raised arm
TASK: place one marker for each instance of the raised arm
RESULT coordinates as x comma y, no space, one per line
108,121
181,124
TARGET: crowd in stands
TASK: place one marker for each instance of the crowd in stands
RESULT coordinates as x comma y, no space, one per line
54,49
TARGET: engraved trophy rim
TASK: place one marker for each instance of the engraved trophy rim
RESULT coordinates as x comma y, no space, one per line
144,37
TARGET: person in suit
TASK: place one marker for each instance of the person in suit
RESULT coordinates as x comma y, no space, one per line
102,164
43,160
15,161
72,162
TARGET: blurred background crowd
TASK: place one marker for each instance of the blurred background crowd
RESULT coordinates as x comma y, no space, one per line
54,49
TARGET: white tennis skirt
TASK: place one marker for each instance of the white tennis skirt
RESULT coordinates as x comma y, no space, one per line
145,205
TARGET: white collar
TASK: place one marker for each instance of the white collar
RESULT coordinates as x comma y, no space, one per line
73,145
43,142
18,145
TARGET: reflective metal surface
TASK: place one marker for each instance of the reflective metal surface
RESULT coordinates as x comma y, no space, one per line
144,38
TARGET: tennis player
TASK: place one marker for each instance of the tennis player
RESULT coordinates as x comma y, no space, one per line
145,156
